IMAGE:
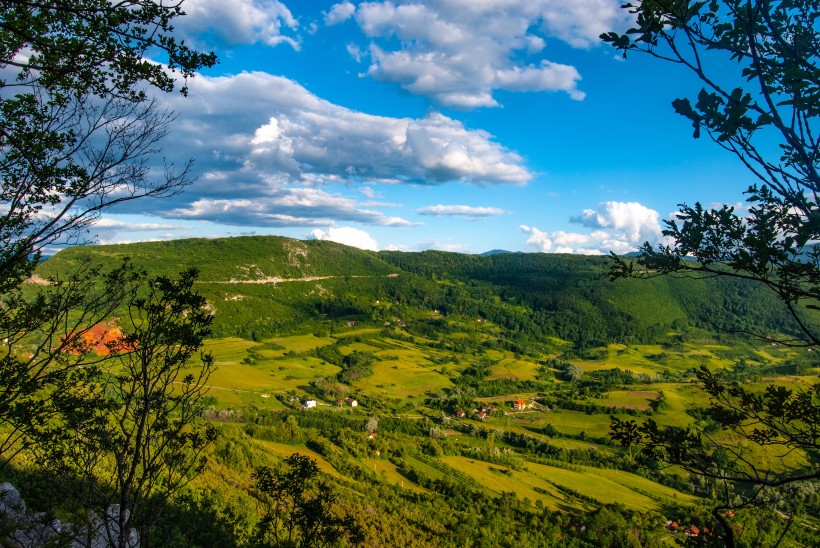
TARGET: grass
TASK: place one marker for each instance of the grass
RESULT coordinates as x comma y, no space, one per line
402,378
425,469
542,482
629,399
284,450
510,368
605,486
575,422
390,472
301,343
500,480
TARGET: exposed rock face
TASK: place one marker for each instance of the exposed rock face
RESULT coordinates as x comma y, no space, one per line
11,503
21,529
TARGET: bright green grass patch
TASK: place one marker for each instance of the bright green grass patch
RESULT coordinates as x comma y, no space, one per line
289,374
283,450
228,351
575,422
265,377
425,469
511,368
354,333
403,379
241,377
612,486
390,472
576,445
630,399
302,343
358,347
500,480
629,362
494,354
406,355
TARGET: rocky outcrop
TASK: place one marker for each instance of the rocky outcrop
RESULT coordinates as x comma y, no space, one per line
22,529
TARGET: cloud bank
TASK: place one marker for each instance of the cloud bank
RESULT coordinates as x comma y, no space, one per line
469,212
234,22
346,235
620,227
267,148
458,52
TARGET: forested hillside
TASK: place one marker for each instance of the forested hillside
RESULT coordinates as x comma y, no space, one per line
264,286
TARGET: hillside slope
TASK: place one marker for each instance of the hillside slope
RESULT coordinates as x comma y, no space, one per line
266,285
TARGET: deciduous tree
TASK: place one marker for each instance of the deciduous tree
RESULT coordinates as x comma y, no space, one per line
75,127
766,113
127,429
298,507
77,130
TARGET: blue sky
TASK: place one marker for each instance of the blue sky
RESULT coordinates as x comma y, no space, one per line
462,125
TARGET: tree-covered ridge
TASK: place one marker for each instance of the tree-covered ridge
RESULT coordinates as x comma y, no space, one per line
309,285
247,258
572,296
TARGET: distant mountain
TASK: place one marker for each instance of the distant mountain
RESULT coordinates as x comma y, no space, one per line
496,252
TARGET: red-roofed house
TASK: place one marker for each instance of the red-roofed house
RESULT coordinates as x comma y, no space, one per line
519,405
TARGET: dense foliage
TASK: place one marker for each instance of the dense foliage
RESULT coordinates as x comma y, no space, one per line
263,286
760,106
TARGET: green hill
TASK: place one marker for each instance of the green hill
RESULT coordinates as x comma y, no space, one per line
225,259
267,285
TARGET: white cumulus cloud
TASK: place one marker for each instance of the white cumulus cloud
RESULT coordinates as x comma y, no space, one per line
339,13
233,22
636,222
346,235
459,51
269,126
273,144
619,227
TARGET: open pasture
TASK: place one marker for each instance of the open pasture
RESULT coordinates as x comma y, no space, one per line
283,450
508,367
390,472
301,343
402,378
605,486
500,480
629,399
574,422
620,357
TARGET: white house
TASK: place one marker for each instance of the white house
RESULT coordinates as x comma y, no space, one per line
309,404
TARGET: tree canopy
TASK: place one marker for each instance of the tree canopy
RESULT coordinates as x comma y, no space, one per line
766,113
76,125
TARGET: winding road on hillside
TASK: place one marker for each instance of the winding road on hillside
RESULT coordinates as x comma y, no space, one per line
277,279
